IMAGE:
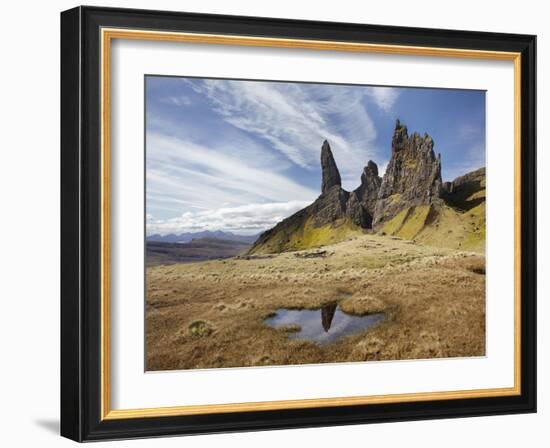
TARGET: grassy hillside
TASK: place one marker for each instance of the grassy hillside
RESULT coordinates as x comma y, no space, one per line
308,236
457,230
456,220
434,225
442,226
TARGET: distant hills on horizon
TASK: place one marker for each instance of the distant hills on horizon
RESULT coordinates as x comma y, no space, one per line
187,237
199,249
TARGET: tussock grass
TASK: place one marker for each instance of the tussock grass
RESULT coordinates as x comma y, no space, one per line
362,305
290,328
433,298
200,329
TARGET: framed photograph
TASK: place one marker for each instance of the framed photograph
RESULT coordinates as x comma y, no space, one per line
273,223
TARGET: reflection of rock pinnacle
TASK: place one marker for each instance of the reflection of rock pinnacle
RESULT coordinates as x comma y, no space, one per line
327,314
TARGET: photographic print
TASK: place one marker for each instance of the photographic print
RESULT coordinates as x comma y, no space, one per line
254,207
301,223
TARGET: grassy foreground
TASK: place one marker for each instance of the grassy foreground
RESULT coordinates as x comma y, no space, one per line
211,314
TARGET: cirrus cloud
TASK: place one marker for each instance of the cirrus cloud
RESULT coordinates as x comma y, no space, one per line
214,147
295,118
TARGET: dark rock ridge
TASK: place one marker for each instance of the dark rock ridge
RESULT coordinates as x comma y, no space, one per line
334,205
412,178
362,202
460,192
331,175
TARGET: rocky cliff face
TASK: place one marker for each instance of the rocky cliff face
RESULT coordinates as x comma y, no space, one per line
412,178
362,201
334,214
407,200
465,192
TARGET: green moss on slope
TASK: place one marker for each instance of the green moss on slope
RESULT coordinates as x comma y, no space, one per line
394,224
308,236
465,231
441,227
319,236
408,222
415,222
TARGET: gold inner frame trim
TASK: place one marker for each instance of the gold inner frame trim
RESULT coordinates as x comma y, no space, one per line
107,35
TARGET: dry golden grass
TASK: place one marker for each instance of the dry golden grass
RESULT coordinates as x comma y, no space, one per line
211,314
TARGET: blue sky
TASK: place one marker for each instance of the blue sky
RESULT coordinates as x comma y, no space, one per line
241,155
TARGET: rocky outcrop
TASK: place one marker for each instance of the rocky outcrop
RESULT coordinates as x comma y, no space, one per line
362,201
465,192
412,178
331,175
334,207
406,200
329,207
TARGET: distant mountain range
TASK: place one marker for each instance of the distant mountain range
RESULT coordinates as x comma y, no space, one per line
190,236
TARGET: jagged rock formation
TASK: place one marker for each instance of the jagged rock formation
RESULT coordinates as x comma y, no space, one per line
362,201
336,213
331,175
410,201
412,178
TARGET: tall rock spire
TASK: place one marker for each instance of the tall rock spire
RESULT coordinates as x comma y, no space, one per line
411,179
413,175
331,175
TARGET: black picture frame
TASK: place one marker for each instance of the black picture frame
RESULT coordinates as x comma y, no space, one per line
81,224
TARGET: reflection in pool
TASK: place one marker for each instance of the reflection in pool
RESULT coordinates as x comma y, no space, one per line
323,325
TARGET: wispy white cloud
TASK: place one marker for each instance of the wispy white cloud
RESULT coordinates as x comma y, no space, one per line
384,97
180,100
252,157
194,176
245,219
295,118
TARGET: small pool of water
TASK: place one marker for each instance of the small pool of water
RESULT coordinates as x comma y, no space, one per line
324,325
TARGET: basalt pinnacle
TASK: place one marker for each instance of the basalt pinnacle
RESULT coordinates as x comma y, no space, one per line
412,178
331,175
335,208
